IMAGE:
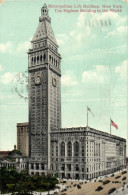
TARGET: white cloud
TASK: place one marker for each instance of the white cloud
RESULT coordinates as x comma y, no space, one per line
105,74
81,20
122,29
110,34
88,26
1,68
91,22
7,77
61,39
9,47
122,69
68,80
6,47
117,32
23,47
98,74
122,21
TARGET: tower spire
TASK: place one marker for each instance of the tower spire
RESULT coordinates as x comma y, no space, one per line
44,30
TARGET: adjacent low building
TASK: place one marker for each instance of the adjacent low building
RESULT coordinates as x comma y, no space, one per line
23,138
3,154
14,159
83,153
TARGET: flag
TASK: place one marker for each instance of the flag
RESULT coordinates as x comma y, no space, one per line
114,124
90,111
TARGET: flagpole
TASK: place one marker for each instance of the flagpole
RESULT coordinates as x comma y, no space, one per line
87,116
110,125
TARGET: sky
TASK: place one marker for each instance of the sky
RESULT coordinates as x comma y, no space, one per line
93,47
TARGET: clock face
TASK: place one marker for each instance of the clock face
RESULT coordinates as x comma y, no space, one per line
37,80
54,82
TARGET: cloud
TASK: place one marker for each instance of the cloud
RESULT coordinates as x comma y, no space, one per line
61,39
9,47
23,47
1,68
105,75
68,80
6,47
120,27
122,69
90,30
7,77
117,32
98,74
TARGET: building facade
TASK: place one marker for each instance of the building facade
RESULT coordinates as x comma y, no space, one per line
14,159
86,153
44,90
78,152
23,138
3,154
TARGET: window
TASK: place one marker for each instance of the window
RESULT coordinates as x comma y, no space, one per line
44,57
41,58
69,148
63,167
77,168
62,149
37,166
69,167
32,166
76,149
56,150
34,60
82,151
37,59
50,57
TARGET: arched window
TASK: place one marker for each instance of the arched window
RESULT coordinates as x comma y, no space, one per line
34,60
44,57
41,58
76,149
62,149
69,149
50,57
37,59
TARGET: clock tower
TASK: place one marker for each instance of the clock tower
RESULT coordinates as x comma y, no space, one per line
44,93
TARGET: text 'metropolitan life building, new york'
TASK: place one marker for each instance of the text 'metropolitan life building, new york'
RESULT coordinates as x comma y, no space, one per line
80,152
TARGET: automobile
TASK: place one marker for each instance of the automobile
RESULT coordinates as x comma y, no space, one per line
111,190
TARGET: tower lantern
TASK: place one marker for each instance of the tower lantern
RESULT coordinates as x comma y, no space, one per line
44,10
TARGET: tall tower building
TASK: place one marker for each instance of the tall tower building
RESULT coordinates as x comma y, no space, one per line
44,92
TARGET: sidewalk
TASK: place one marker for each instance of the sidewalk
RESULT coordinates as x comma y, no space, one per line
121,191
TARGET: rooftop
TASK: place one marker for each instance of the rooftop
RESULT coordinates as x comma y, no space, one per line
86,129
